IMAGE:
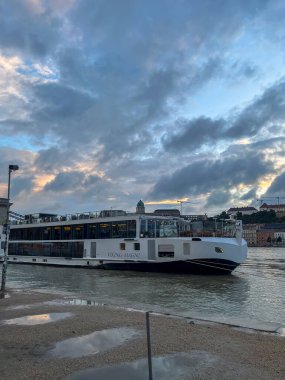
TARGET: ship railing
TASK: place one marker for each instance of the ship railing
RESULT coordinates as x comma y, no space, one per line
67,217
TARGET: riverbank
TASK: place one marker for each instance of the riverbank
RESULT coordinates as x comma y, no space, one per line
220,351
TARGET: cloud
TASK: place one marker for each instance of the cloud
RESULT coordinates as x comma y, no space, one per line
206,176
194,133
22,184
25,30
268,110
218,199
108,102
250,195
278,185
65,181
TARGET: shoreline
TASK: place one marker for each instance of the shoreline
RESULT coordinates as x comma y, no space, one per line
235,352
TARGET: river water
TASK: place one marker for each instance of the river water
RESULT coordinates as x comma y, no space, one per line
255,291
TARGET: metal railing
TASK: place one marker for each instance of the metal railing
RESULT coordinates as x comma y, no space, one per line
30,219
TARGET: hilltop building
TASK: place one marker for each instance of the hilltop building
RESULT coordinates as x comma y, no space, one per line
279,209
244,210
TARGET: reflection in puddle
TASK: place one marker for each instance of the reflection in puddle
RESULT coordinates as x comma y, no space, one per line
38,319
93,343
174,367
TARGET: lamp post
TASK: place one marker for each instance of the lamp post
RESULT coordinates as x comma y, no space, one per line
5,260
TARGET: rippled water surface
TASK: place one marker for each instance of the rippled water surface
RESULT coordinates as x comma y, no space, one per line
255,290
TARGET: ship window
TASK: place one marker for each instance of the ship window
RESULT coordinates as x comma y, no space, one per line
165,254
219,250
122,229
137,246
105,230
47,233
56,249
131,228
122,246
37,232
56,233
92,231
78,231
66,233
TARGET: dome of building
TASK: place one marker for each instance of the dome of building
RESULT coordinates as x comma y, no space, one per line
140,204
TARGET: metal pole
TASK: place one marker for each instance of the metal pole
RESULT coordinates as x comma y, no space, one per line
5,260
148,346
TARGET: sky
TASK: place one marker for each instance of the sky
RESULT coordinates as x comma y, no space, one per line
106,102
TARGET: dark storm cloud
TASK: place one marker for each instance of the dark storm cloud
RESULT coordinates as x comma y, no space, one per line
278,186
51,159
14,125
194,133
22,184
218,198
65,181
269,108
30,32
58,102
122,39
251,194
206,176
276,143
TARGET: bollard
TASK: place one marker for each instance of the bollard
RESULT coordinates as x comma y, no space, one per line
148,346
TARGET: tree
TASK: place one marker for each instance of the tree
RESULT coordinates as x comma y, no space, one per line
223,215
239,215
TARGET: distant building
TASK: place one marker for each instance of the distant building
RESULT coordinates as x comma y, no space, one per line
108,213
279,209
264,237
244,210
167,212
250,235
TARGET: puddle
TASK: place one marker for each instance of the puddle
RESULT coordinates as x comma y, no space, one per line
175,367
281,331
94,343
39,319
4,295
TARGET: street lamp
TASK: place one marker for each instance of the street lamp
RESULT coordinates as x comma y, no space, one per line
12,168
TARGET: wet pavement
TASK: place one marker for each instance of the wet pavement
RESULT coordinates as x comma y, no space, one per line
98,341
175,367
